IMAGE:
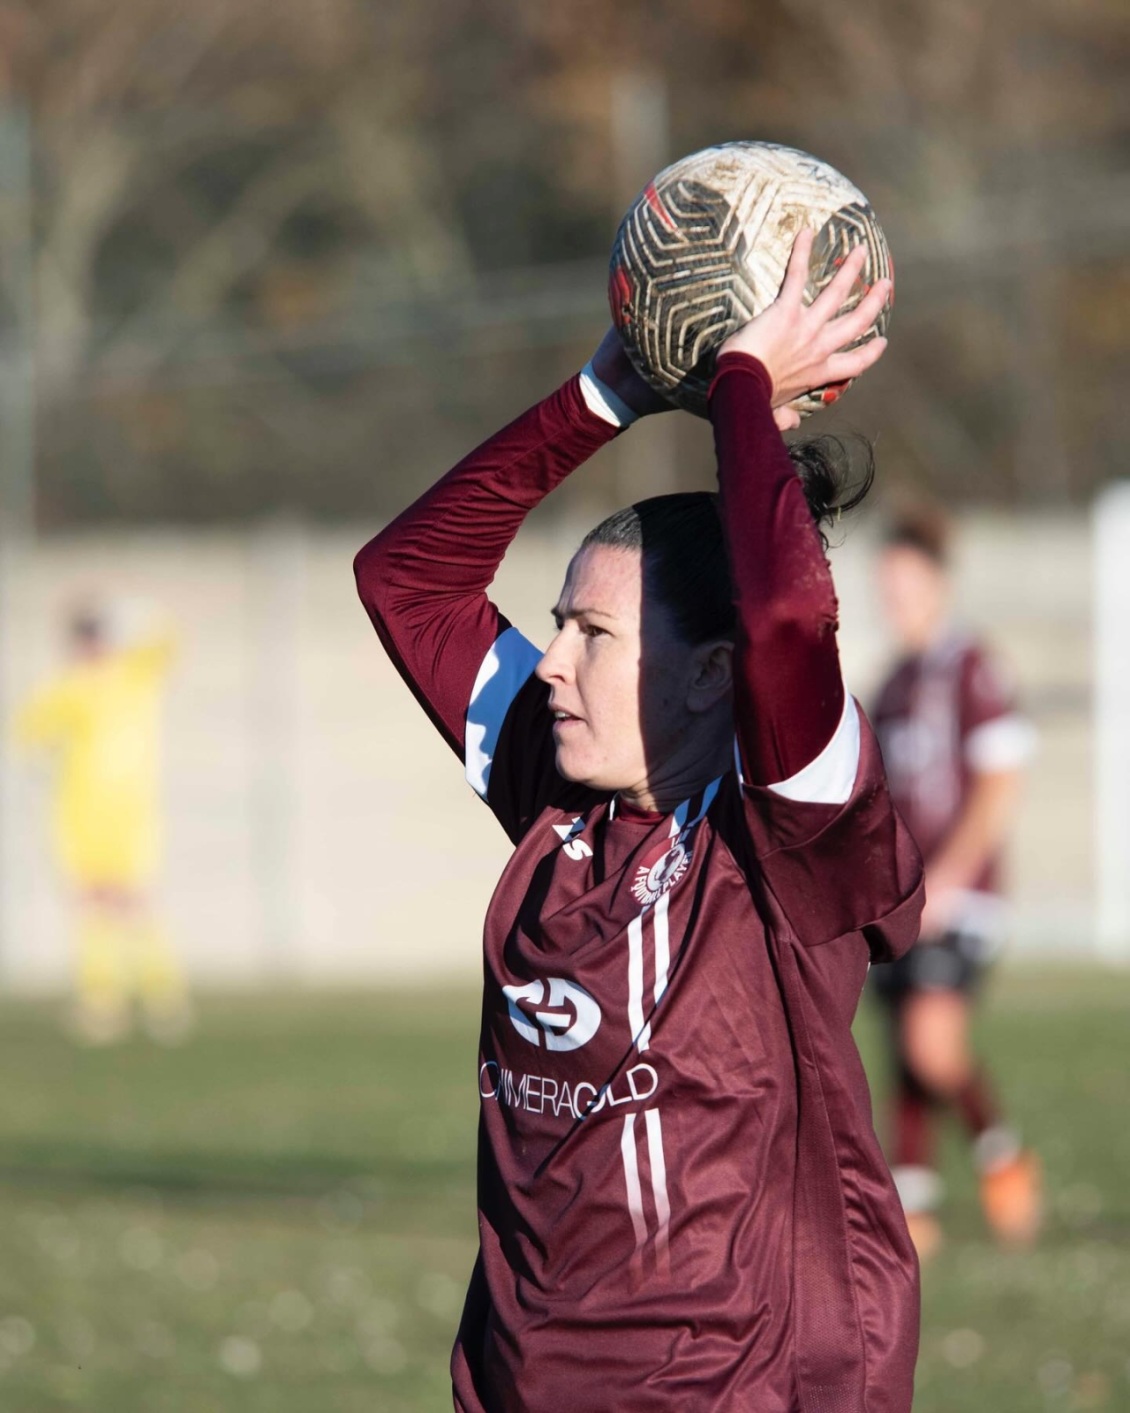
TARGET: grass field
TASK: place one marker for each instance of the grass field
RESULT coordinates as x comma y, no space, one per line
280,1216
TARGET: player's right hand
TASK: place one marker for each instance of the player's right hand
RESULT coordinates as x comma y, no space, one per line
613,367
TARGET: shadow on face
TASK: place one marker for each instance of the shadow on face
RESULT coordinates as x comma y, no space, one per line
640,710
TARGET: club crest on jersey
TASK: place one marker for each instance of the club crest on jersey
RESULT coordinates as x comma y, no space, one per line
658,876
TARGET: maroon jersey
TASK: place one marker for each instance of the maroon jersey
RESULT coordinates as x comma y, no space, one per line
682,1203
942,716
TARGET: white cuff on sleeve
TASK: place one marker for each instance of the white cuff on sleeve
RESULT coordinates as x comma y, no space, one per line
830,778
1003,744
603,402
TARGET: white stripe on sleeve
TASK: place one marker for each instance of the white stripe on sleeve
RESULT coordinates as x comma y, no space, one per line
1002,744
603,402
504,671
830,778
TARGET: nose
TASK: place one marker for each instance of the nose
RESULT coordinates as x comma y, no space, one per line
554,664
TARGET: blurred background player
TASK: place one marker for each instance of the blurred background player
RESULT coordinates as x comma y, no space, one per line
101,718
955,746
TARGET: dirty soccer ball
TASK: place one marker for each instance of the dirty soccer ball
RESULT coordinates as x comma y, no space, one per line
704,247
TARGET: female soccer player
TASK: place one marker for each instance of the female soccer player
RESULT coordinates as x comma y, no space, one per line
954,745
682,1202
101,720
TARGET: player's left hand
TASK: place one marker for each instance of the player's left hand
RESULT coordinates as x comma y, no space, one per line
613,367
806,346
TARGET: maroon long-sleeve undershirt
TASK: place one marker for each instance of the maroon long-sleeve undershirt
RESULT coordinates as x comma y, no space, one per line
788,689
424,579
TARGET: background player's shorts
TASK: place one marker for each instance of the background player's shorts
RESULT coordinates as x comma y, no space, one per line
957,962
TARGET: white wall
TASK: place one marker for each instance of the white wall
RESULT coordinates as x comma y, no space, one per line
317,828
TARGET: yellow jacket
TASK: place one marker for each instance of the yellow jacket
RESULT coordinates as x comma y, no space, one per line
102,717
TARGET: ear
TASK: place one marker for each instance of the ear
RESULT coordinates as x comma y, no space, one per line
712,677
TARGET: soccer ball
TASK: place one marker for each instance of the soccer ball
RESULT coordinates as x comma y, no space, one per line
704,247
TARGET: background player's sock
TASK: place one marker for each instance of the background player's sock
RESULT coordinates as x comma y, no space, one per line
995,1146
920,1191
913,1145
977,1105
919,1186
101,1011
167,1010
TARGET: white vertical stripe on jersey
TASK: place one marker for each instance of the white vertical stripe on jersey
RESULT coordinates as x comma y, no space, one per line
641,1033
632,1179
641,1030
662,945
658,1166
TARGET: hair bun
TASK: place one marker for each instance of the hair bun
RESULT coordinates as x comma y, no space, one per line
836,475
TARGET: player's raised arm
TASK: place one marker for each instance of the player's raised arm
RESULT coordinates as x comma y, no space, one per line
796,729
424,579
46,717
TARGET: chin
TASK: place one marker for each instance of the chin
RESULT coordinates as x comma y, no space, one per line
573,772
579,772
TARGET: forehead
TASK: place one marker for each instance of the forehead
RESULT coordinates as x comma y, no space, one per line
906,559
600,577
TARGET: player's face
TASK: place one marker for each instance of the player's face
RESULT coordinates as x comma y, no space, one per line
618,675
915,595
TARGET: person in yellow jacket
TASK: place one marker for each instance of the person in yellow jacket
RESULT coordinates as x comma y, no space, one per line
101,718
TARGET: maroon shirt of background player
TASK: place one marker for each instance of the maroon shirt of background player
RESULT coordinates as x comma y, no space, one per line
682,1202
941,716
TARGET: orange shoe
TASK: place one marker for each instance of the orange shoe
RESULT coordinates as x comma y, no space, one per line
1012,1199
926,1234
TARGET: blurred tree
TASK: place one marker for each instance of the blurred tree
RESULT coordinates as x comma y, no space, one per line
273,236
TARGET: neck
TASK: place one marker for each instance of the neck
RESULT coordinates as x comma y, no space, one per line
679,779
928,635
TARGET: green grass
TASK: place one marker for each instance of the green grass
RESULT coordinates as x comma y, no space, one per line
280,1216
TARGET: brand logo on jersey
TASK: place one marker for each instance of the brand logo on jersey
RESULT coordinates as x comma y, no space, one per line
656,877
573,847
542,1094
569,1019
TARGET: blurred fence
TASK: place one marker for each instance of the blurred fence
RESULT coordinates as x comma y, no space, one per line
319,831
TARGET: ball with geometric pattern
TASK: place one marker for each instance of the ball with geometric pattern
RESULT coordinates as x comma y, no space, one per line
704,247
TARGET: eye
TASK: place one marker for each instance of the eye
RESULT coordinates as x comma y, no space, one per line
590,630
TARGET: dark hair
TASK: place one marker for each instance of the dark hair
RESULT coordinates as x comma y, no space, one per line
924,527
86,626
680,536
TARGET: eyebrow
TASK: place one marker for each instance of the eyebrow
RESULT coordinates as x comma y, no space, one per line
557,612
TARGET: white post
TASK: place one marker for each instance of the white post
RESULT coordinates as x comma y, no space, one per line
1112,720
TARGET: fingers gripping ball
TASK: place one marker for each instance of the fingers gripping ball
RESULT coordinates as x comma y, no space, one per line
704,248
